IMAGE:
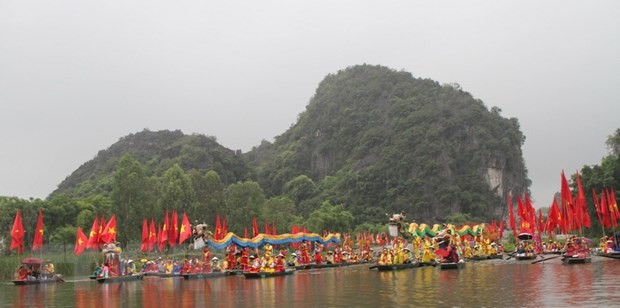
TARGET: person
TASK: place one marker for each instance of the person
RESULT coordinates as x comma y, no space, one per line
49,269
385,258
215,264
105,272
293,260
131,267
255,264
97,270
329,257
279,263
22,273
408,256
318,258
305,257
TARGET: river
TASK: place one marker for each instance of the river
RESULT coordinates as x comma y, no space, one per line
493,283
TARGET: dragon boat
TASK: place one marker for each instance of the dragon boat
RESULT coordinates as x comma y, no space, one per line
259,275
395,267
576,259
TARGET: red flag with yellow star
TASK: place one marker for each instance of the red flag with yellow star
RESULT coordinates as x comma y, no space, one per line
80,242
17,234
186,229
38,234
109,233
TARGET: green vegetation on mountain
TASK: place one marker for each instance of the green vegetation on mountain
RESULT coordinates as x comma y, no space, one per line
371,141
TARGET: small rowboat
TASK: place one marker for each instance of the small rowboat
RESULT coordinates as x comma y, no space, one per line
451,265
258,275
395,267
576,260
161,275
485,257
522,257
193,276
117,279
613,255
37,281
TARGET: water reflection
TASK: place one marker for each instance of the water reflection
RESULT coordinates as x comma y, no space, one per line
494,284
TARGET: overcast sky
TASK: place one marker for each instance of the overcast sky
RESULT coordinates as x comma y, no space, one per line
75,76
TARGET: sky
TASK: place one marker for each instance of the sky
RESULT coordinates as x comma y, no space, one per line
75,76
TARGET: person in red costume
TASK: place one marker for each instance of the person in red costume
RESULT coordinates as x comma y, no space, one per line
231,259
318,258
305,257
279,263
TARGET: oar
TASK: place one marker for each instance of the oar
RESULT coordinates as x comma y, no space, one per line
510,255
374,266
546,259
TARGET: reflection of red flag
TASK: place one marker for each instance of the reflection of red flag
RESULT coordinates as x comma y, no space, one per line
255,231
17,234
80,242
109,233
145,236
38,234
186,229
152,235
174,229
93,239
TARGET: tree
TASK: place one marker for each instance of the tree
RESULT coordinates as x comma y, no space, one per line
130,196
613,143
332,218
244,201
177,190
280,212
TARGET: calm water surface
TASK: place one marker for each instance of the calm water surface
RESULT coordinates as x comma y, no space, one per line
494,283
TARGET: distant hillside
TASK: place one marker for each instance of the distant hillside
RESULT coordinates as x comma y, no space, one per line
157,151
373,139
388,142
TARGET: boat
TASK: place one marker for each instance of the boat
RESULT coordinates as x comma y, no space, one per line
328,265
117,279
485,257
451,265
112,258
30,272
576,260
395,267
525,256
161,275
193,276
427,264
612,255
258,275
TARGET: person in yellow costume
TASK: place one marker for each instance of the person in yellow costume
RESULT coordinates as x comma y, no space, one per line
417,246
428,256
467,253
268,249
267,264
385,258
397,252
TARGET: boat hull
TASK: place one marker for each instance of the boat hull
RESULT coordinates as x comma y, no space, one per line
30,282
396,267
452,265
260,275
195,276
118,279
161,275
613,255
571,260
525,257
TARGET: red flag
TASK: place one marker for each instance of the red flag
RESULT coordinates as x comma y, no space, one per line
597,207
93,239
273,229
605,214
164,230
109,233
511,216
501,228
245,232
568,205
80,242
38,234
267,231
152,235
102,225
186,229
255,231
174,229
224,227
145,236
218,228
613,205
160,243
17,233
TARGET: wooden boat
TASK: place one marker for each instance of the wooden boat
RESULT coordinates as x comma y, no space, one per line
485,257
525,256
395,267
55,279
258,275
576,260
613,255
553,252
117,279
427,263
161,275
234,272
193,276
451,265
34,265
